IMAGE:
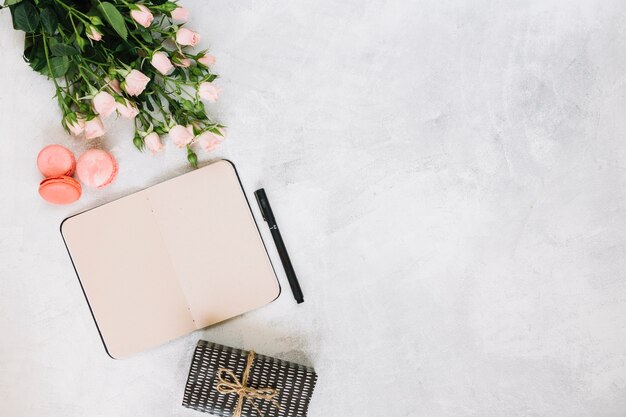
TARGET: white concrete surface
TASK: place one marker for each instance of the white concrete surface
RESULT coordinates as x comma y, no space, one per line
450,179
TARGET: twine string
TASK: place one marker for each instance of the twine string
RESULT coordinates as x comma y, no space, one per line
228,383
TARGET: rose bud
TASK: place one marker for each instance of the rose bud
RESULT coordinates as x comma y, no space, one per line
128,110
180,14
183,62
208,141
181,135
142,15
187,37
192,158
207,60
135,82
114,84
94,128
153,142
104,104
208,92
75,124
162,63
93,33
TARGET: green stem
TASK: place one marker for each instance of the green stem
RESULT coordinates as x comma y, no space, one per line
74,25
56,84
143,46
73,11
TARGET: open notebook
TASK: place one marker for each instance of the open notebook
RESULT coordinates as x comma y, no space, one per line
172,258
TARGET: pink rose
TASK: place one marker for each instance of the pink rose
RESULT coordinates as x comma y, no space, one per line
187,37
114,84
180,14
181,135
93,33
153,143
184,63
142,15
104,104
208,92
162,63
208,141
135,82
75,124
94,128
207,60
128,110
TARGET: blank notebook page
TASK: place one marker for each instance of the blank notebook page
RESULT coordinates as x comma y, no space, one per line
175,257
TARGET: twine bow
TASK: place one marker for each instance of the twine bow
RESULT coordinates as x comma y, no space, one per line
228,383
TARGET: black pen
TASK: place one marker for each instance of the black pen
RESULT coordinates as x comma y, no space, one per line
268,216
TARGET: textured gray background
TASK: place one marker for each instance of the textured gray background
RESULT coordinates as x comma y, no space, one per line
449,178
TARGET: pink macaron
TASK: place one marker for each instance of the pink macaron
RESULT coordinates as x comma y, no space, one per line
56,160
96,168
60,190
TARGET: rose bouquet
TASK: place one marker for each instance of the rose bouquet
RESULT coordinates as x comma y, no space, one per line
133,59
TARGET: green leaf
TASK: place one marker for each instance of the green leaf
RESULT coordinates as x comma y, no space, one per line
114,17
59,66
11,2
49,21
25,17
34,53
199,110
146,36
149,104
61,49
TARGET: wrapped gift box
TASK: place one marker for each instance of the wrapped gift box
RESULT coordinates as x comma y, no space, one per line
226,382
